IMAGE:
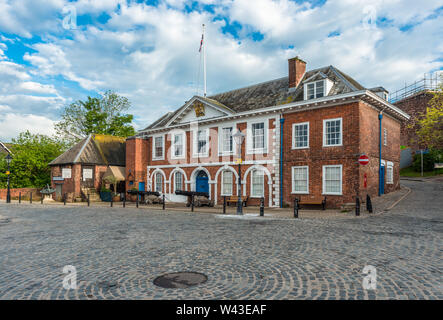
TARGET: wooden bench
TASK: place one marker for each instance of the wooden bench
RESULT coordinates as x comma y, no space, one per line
314,200
234,199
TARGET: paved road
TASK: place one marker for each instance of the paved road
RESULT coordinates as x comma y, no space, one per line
118,253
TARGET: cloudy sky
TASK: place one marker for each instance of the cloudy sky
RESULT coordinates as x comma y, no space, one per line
148,50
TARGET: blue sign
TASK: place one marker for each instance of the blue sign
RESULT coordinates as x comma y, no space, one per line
57,178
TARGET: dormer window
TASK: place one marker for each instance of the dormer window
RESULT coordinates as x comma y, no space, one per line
315,90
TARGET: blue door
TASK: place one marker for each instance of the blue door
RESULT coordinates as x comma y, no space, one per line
382,180
202,182
141,187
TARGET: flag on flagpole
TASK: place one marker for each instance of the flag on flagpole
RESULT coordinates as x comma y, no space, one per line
201,44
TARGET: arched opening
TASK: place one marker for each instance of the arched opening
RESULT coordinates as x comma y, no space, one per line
202,182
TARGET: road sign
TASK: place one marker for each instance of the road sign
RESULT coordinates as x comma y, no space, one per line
363,160
238,161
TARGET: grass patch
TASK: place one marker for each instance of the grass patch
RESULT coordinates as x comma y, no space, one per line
409,172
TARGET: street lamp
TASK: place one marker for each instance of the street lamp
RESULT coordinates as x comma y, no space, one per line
8,194
239,137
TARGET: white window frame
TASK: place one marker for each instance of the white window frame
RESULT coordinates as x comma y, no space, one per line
195,143
249,138
175,180
305,89
154,147
324,178
221,141
223,191
252,184
324,133
156,182
390,176
293,135
385,136
182,156
307,179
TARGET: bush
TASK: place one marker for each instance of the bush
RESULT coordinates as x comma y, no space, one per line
428,161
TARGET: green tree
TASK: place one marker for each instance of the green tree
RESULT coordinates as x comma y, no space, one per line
104,115
31,155
430,123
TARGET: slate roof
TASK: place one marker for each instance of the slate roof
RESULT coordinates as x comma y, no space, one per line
272,93
95,149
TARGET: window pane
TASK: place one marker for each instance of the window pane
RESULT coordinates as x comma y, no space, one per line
178,145
301,135
158,182
310,94
178,181
158,147
227,139
258,135
300,180
257,183
332,132
319,87
227,183
201,141
332,180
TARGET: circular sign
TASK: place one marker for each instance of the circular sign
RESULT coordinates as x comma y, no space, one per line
364,160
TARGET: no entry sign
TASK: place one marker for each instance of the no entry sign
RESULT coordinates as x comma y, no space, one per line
364,160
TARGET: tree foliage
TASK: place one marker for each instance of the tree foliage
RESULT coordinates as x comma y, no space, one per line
104,115
31,154
430,124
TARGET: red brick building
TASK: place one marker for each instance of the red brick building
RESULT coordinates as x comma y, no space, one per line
79,171
304,134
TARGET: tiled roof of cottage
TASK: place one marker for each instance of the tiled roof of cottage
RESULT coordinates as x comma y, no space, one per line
272,93
96,149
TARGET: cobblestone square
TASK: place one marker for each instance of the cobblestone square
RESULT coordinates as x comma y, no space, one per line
119,252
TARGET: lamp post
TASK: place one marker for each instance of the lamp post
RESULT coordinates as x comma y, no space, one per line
239,137
8,194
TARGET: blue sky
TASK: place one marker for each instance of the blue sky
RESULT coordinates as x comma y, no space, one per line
148,50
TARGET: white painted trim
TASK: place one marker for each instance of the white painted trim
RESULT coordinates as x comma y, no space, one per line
194,133
249,137
341,132
211,164
173,134
292,180
293,135
171,176
222,193
220,151
252,185
341,180
153,181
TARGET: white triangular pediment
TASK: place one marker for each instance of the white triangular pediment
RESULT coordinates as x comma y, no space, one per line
199,108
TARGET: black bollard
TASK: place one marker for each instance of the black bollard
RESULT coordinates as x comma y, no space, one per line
30,198
296,207
224,204
368,203
124,201
357,206
136,201
112,201
41,199
64,199
89,201
192,203
262,206
19,197
163,202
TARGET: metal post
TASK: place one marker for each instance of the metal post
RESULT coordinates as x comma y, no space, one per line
224,204
41,198
124,201
89,201
112,201
282,121
357,206
239,202
422,162
19,197
296,208
8,194
380,117
136,201
64,199
30,198
262,206
192,203
368,203
163,202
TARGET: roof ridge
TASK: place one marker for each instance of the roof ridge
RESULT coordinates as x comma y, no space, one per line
82,148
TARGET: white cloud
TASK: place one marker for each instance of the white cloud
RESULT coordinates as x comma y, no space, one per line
38,87
11,124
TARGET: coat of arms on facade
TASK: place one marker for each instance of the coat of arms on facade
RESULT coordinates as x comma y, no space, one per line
199,109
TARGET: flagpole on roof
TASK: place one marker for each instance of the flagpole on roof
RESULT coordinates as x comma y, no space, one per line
204,61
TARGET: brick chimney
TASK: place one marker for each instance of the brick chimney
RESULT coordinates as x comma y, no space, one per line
297,68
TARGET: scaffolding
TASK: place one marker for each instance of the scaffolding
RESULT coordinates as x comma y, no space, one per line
430,82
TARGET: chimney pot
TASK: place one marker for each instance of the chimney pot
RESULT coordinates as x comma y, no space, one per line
297,69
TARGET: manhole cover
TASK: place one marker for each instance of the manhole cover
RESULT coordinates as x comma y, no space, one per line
180,280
